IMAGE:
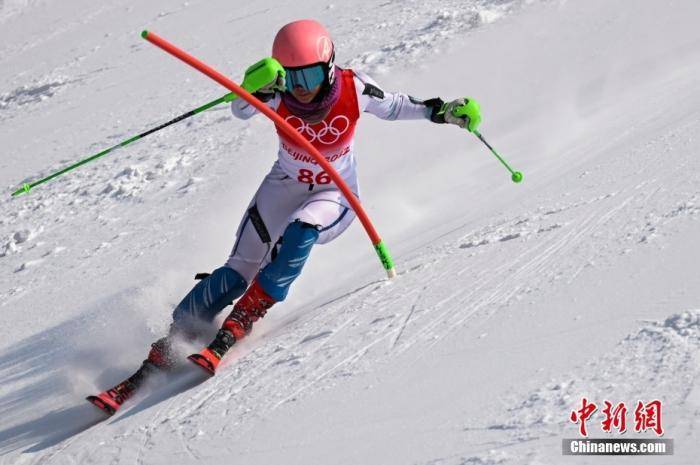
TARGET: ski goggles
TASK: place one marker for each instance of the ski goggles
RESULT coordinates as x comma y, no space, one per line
309,77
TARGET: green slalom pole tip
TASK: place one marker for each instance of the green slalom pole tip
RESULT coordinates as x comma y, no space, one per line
517,176
144,34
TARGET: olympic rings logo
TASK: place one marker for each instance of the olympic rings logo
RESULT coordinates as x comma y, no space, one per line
327,134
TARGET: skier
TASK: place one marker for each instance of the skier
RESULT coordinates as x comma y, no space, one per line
295,206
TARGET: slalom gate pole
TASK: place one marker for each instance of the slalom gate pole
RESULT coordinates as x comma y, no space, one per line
516,176
26,187
379,246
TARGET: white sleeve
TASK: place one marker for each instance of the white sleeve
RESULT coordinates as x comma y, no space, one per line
387,105
244,110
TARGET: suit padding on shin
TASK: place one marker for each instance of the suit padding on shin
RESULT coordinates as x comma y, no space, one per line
278,275
210,296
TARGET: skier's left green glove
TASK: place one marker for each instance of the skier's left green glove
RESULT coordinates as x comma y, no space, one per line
464,112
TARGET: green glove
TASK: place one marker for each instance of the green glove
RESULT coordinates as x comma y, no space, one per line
263,79
464,112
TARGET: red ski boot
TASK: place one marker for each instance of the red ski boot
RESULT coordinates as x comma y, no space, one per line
249,308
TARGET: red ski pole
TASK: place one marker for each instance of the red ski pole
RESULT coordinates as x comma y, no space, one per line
379,246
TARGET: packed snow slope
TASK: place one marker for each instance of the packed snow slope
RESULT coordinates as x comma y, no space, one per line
512,301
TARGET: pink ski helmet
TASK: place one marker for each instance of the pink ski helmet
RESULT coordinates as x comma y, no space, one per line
305,43
302,43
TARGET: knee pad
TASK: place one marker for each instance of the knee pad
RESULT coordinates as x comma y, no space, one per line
297,241
209,297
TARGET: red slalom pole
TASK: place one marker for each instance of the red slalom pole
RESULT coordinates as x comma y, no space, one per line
377,242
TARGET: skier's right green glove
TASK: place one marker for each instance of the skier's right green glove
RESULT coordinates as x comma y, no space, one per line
263,79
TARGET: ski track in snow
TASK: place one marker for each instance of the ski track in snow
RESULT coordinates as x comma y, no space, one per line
556,230
665,353
303,358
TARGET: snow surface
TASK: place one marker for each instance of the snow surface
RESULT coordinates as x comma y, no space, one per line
512,301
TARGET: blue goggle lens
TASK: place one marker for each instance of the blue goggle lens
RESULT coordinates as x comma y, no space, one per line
308,78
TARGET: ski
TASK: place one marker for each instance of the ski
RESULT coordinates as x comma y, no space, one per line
111,400
105,402
206,360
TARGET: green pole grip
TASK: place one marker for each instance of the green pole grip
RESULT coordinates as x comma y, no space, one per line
385,257
258,75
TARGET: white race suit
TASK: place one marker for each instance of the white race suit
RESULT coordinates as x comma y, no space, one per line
296,188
